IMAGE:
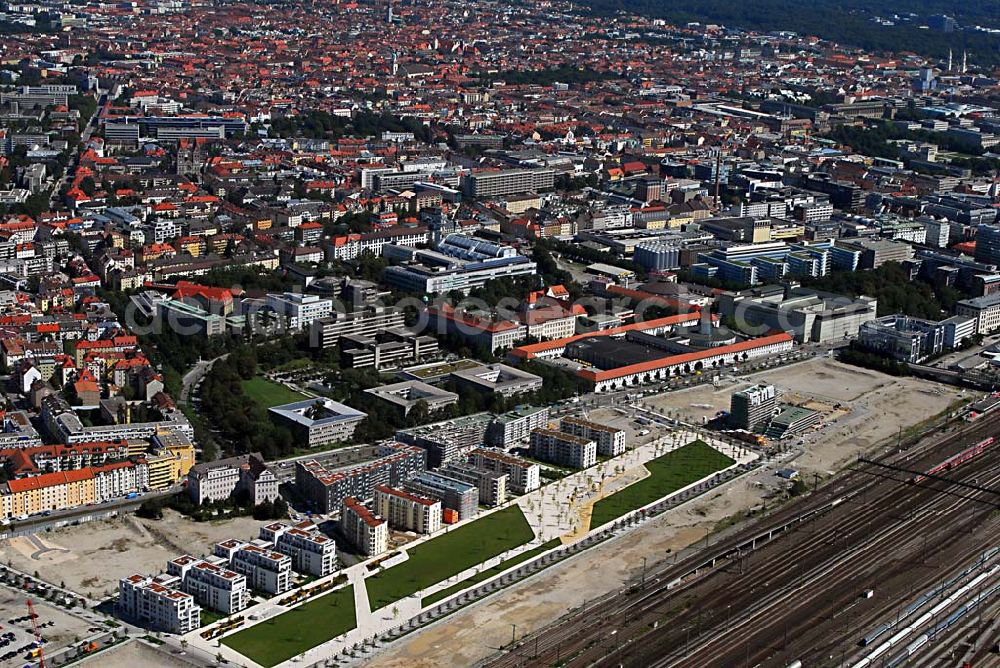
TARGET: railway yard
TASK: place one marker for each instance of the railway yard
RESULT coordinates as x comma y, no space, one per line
873,569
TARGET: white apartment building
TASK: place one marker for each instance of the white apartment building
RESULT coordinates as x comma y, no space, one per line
298,311
151,603
407,511
550,327
218,480
112,481
522,476
986,311
351,246
311,552
563,449
610,440
161,231
264,569
213,586
368,532
516,425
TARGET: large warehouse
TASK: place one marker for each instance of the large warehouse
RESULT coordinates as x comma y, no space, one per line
651,351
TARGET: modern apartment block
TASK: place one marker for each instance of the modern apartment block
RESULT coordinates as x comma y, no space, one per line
448,439
459,496
264,569
213,586
610,440
563,449
365,530
522,476
326,490
492,485
508,182
406,511
310,551
152,603
298,311
368,321
218,480
985,310
515,425
753,407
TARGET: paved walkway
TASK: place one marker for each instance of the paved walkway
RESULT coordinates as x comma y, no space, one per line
552,511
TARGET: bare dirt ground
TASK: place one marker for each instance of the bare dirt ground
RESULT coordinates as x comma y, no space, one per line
873,407
90,558
861,408
132,654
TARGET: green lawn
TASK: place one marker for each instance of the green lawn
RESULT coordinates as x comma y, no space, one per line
268,393
291,633
210,616
668,473
490,572
450,553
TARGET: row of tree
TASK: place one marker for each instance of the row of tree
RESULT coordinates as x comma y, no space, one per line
896,293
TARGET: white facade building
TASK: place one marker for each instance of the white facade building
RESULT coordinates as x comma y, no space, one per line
151,602
407,511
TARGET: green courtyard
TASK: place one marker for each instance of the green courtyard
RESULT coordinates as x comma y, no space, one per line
482,576
267,393
450,553
667,474
291,633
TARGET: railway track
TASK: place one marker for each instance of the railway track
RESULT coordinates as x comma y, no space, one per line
877,512
831,576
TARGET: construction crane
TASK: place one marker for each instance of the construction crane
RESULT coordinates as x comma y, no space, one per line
38,634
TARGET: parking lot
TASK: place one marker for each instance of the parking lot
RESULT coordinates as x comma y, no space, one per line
58,627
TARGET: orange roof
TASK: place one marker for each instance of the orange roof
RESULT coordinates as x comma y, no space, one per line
685,358
49,480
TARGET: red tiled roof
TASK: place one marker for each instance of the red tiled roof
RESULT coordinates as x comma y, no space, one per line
49,480
685,358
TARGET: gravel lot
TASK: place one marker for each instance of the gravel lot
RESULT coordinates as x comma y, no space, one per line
90,558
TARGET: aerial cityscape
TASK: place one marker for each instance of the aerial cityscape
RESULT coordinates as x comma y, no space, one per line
402,333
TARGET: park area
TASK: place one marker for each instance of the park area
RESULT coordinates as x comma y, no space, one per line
485,575
667,474
449,554
267,393
289,634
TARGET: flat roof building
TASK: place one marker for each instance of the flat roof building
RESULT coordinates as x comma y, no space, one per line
515,425
265,569
455,494
492,485
319,421
752,408
448,439
563,449
809,316
406,395
310,551
213,586
523,476
500,379
610,440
